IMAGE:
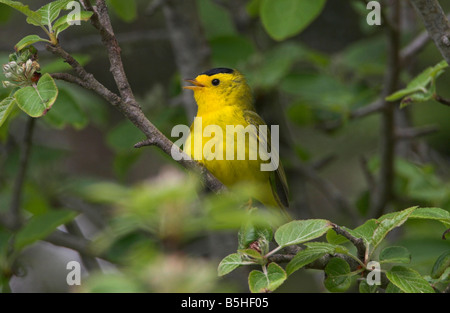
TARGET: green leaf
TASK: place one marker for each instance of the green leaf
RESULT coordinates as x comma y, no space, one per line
314,251
6,107
395,254
285,18
441,264
216,21
68,20
50,11
37,100
126,10
249,232
420,82
391,288
437,214
28,40
338,277
40,226
364,287
408,280
299,231
275,64
66,111
251,253
33,17
229,264
268,281
386,224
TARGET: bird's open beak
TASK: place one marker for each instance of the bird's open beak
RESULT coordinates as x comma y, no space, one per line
196,84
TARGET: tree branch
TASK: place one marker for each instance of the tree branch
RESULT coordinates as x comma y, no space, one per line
436,23
357,242
384,187
100,20
128,105
441,100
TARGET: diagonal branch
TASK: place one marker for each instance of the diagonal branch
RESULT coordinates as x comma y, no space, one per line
436,23
132,113
100,20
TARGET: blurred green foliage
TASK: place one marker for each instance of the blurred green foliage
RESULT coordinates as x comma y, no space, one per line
151,224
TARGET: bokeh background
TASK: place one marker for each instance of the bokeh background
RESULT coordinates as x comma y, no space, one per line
135,203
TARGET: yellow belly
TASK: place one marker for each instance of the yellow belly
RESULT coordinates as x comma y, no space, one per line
212,152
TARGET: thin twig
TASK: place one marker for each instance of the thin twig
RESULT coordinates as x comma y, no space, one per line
413,132
89,261
414,47
15,214
357,242
372,108
441,100
63,239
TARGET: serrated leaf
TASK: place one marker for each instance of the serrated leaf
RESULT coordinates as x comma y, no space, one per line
391,288
387,223
365,231
395,254
50,11
437,214
229,263
40,226
37,100
68,20
299,231
408,280
251,253
333,238
269,281
338,277
6,107
314,251
28,40
285,18
33,17
441,265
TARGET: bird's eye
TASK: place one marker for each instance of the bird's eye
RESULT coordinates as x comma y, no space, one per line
215,82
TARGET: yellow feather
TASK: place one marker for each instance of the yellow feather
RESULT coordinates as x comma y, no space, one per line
230,102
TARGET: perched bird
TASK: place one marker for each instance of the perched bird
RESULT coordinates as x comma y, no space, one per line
224,98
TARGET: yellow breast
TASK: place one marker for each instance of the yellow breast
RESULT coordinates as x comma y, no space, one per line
216,140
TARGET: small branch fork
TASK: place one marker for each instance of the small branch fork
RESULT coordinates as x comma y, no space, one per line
125,102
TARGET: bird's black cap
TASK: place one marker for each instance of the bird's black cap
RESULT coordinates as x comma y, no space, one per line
218,70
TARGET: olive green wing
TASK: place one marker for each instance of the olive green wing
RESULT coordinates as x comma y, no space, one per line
277,178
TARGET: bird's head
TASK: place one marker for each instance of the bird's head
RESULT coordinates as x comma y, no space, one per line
220,87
